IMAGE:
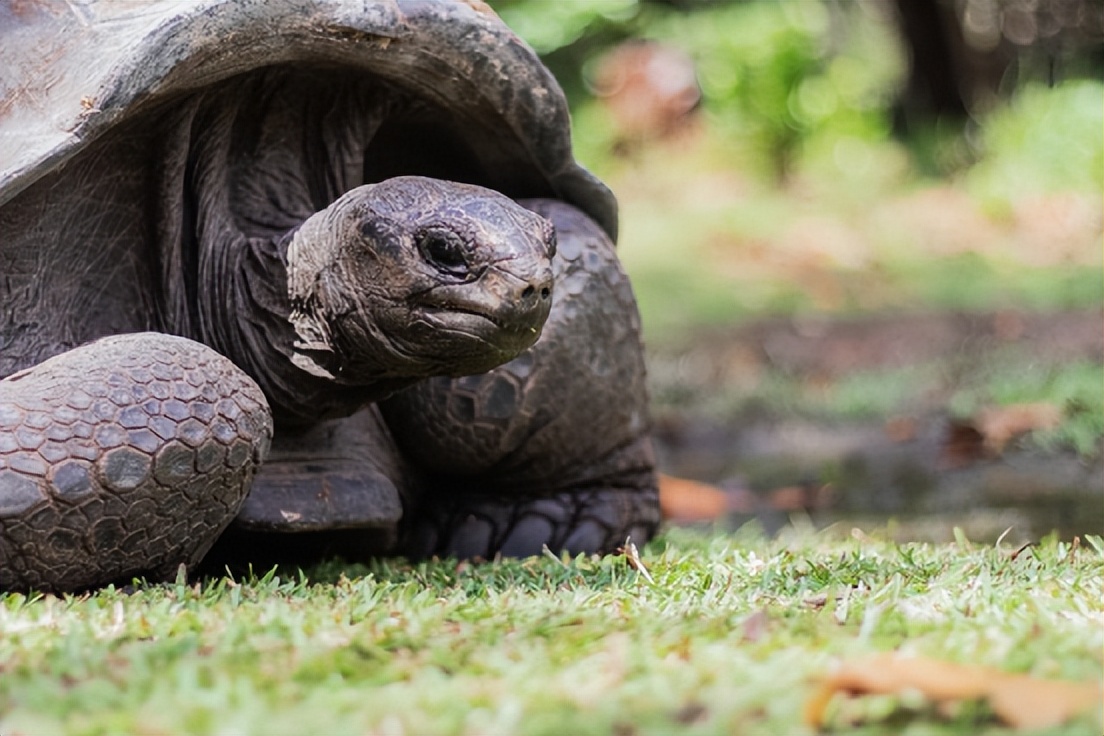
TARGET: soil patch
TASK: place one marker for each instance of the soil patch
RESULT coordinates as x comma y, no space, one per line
774,460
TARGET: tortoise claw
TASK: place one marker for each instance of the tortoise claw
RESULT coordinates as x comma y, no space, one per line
587,521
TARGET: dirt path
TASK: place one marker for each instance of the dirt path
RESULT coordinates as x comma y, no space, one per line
773,460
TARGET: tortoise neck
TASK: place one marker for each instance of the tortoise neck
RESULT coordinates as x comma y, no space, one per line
249,184
256,332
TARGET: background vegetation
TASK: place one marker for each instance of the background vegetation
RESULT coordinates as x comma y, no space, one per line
803,115
848,162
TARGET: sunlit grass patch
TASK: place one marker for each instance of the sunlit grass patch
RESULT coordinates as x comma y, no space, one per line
731,637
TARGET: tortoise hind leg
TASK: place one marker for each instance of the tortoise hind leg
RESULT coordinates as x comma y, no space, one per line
551,448
464,521
123,457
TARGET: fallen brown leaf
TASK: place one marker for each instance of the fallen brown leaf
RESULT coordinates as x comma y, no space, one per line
901,429
688,500
788,498
1000,424
756,626
962,444
1008,326
1020,701
816,601
692,712
987,433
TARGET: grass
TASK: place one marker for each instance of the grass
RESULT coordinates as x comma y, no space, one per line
730,638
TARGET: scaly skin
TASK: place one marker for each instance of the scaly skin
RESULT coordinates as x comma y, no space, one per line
126,456
552,448
267,228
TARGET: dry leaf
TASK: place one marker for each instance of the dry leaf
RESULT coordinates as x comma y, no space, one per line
987,433
1020,701
816,601
963,444
692,712
688,500
901,429
789,498
1008,326
632,554
1000,424
756,626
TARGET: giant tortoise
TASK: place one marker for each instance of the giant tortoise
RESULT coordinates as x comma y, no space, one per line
348,236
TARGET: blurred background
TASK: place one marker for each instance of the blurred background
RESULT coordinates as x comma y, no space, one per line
866,238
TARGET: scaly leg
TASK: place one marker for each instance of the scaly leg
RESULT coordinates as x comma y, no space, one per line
126,456
551,448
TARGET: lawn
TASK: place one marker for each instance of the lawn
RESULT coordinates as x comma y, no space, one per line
731,634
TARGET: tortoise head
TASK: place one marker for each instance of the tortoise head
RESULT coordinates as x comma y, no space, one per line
413,277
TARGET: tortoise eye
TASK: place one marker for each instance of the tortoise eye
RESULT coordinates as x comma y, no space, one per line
445,251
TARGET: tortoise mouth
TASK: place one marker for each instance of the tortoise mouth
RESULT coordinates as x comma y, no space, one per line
502,335
497,318
461,315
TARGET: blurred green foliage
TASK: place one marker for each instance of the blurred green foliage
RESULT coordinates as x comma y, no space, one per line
1047,139
548,26
773,74
784,82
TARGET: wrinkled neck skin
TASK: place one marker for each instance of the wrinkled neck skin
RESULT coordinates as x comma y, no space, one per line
298,372
225,251
312,253
331,293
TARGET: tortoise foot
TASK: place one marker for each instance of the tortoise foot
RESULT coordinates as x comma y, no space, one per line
587,520
338,474
317,495
304,511
127,456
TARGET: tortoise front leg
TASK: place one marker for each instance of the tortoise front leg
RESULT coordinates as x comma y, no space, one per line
125,456
334,488
551,448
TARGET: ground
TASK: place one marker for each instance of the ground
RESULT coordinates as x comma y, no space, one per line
876,418
706,634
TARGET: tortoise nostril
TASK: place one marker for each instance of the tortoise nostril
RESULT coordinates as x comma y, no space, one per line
545,293
528,292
